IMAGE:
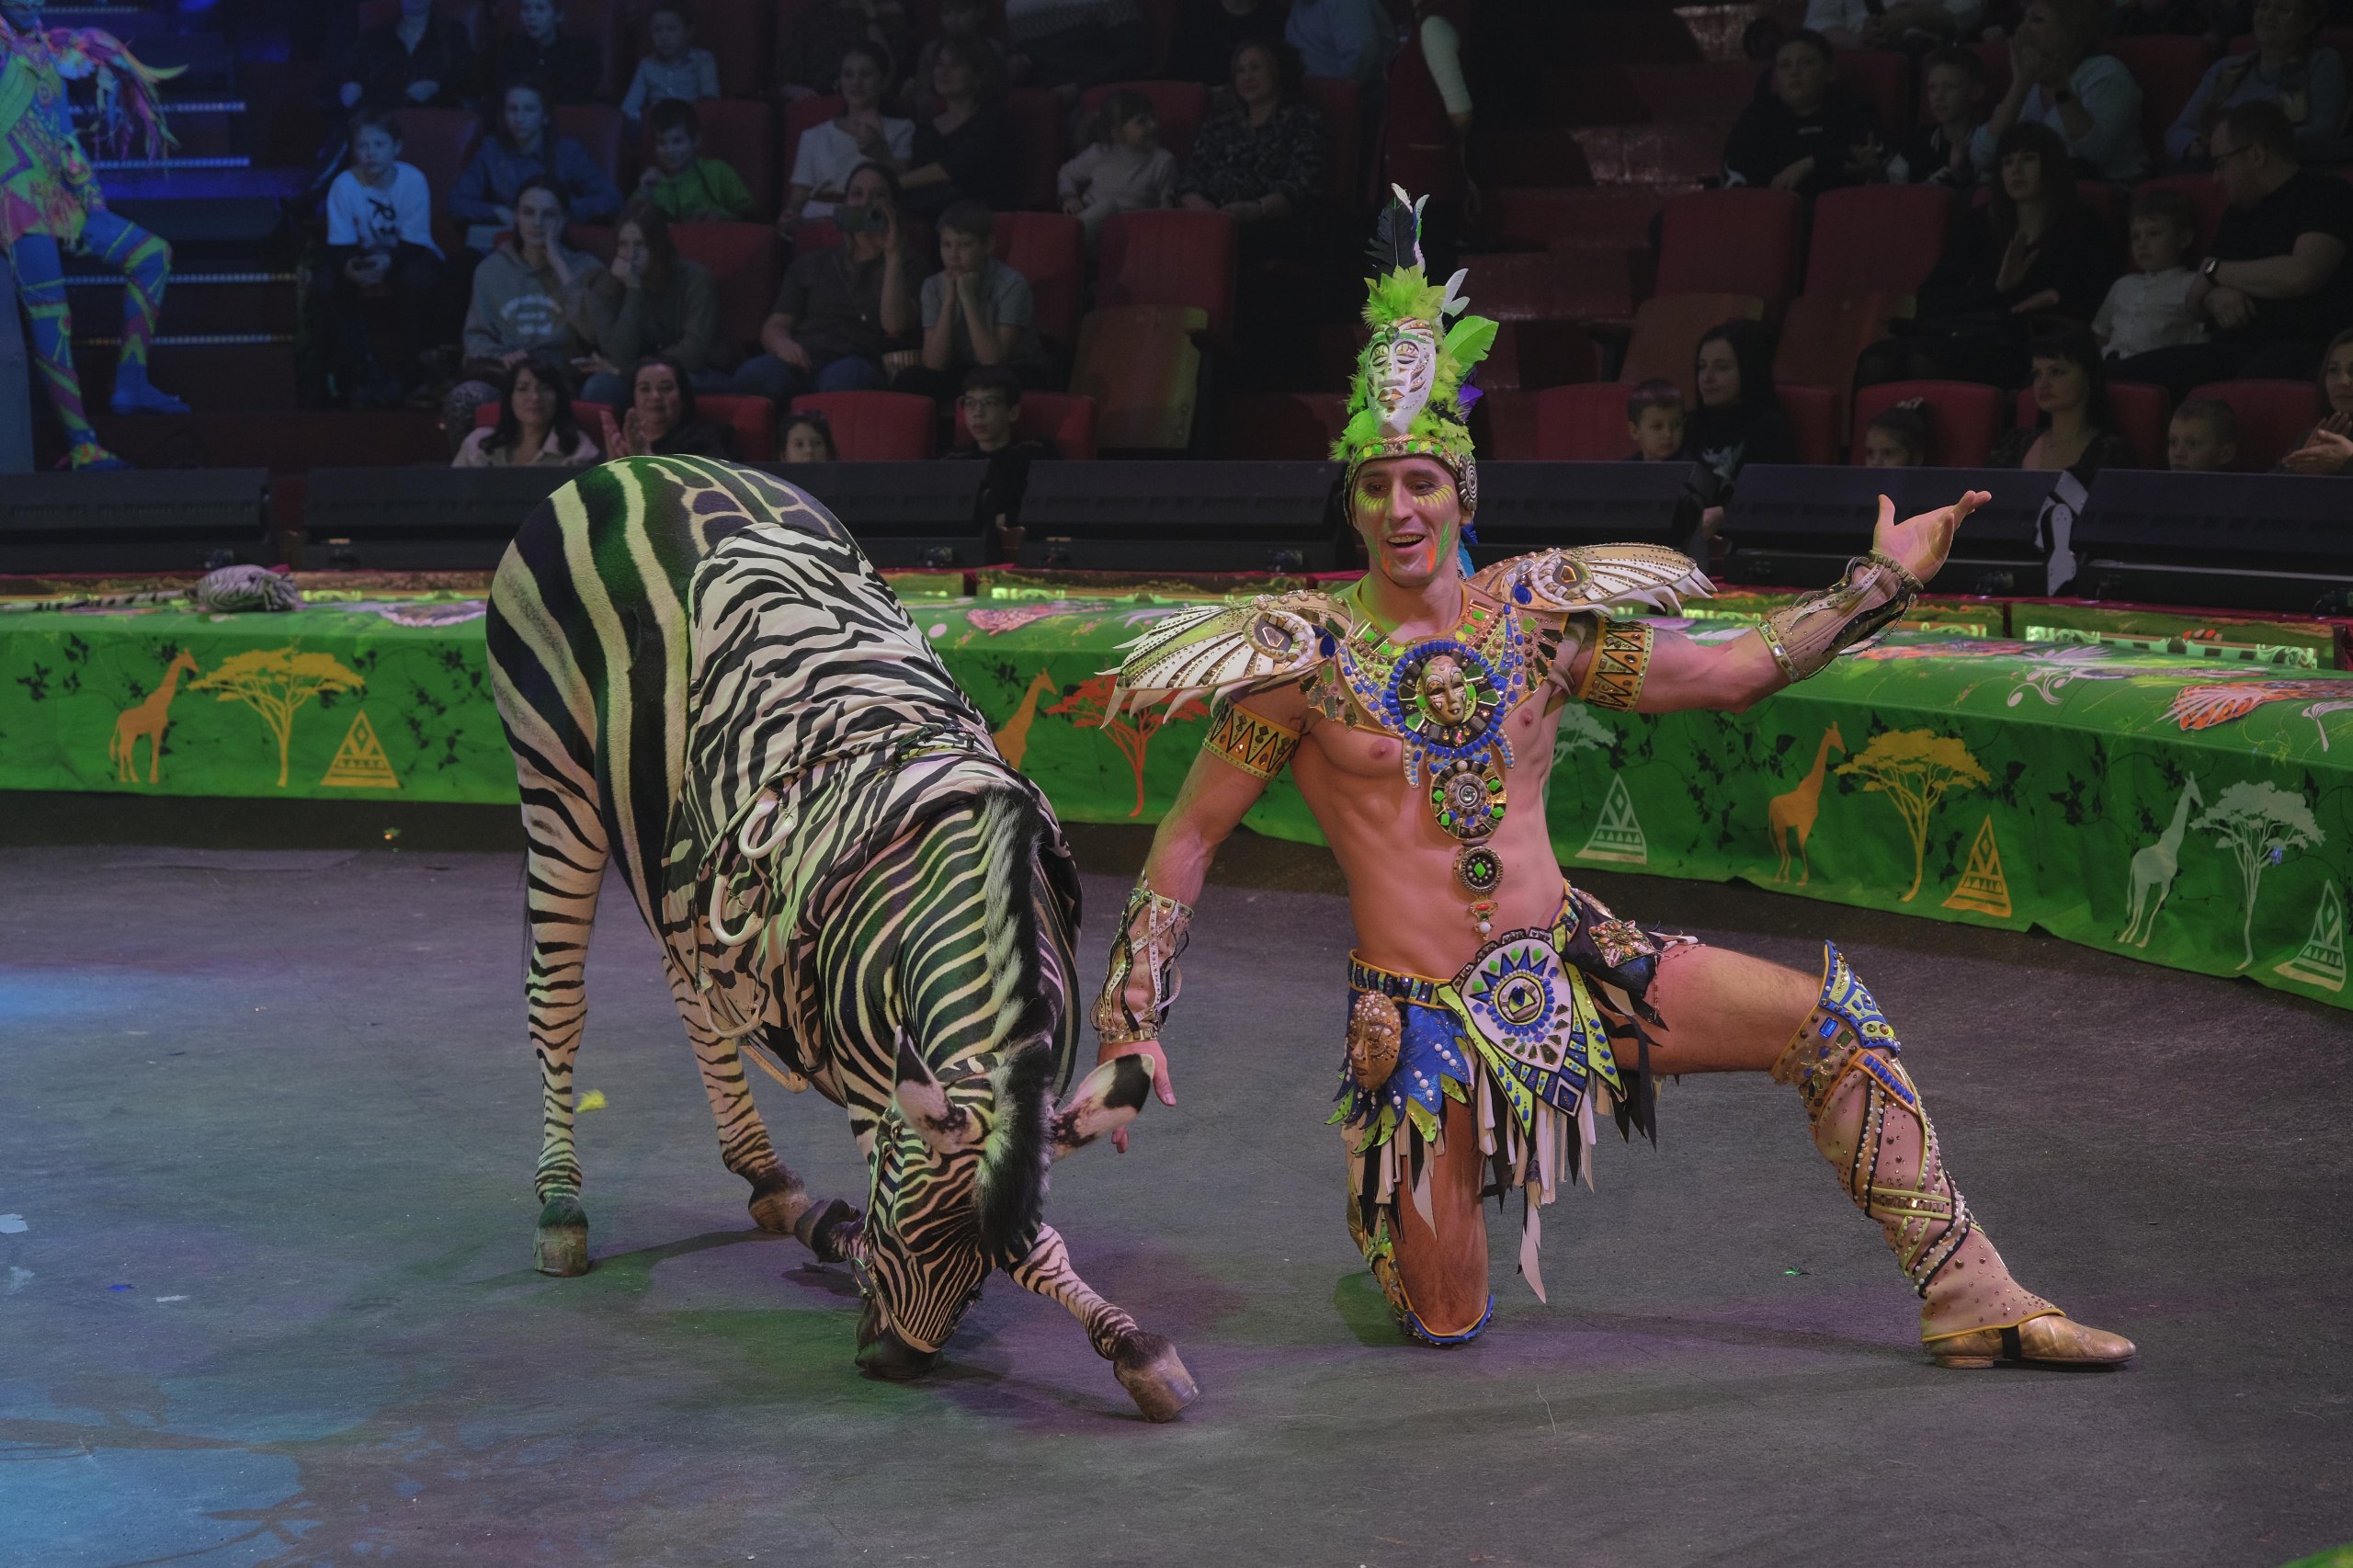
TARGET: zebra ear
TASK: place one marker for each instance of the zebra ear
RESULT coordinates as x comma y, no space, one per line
1106,1101
944,1127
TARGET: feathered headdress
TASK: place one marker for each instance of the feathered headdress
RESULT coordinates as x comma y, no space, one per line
1409,397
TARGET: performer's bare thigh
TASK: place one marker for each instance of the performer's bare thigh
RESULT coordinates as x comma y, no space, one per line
1725,1012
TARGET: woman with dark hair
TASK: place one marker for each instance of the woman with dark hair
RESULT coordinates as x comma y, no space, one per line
661,419
2327,447
2035,248
2073,428
650,300
965,151
1260,157
526,148
831,150
536,426
1739,419
526,300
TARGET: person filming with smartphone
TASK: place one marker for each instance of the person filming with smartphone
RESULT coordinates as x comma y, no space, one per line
842,309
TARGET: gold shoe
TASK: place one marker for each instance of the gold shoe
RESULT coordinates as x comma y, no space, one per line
2053,1338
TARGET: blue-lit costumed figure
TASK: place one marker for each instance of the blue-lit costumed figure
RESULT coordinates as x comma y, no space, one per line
50,202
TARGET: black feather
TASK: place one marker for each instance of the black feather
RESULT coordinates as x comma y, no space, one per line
1396,238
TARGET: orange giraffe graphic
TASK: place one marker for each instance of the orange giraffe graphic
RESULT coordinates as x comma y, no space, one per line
147,720
1013,737
1795,811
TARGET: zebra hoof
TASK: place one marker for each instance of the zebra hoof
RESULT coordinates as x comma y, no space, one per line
828,1229
1149,1369
780,1205
562,1246
883,1354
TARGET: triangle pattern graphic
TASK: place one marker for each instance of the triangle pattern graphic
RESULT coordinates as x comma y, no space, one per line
1982,886
1619,834
2322,961
359,762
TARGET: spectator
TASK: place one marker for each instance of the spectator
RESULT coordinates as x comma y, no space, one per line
660,420
1209,31
2275,283
859,134
1952,90
683,184
536,426
1124,169
2149,307
2203,437
977,310
1427,118
650,302
566,67
1863,23
840,311
2308,83
2327,447
2035,247
822,31
1810,134
1654,422
1347,39
1261,154
1897,436
965,151
415,62
525,149
2091,100
527,300
380,237
1739,420
1080,43
675,69
807,438
991,406
966,19
2074,429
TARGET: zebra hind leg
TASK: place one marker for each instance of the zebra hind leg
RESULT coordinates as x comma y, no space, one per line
1146,1364
565,869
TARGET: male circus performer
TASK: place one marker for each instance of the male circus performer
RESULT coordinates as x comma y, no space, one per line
50,201
1495,1013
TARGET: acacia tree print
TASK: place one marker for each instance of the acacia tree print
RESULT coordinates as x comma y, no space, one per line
2258,824
276,682
1132,731
1915,769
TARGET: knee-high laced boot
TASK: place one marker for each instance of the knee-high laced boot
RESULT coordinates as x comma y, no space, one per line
1868,1123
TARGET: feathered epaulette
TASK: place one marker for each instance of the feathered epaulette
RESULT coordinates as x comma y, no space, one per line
1595,578
128,119
1229,648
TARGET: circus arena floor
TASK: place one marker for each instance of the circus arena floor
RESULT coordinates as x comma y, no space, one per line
266,1129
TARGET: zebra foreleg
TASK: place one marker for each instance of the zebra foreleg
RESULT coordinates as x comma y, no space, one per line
1146,1364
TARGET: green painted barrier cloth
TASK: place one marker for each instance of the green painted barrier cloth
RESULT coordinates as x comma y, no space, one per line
2191,811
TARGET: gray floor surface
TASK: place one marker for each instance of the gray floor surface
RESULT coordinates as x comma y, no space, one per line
266,1129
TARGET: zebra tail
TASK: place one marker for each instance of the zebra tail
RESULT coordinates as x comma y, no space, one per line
1014,1161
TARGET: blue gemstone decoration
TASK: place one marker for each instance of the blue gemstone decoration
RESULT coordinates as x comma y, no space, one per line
1519,592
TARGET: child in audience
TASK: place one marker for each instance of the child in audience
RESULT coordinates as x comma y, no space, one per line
1898,436
564,66
2149,307
806,437
1952,88
977,310
687,187
1124,168
675,69
379,232
957,18
991,406
2203,437
1655,420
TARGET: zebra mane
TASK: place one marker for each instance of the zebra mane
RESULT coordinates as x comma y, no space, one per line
1012,1182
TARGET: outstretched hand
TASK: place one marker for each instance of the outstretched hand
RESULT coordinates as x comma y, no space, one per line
1922,543
1160,1084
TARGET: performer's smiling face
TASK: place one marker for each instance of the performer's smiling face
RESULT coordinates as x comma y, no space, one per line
1409,514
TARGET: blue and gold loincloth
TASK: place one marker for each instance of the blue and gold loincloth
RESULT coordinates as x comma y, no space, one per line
1537,1033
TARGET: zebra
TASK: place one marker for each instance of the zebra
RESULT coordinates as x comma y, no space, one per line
706,685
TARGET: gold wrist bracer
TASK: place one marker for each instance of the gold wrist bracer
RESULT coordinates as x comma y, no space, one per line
1258,746
1621,658
1152,933
1804,637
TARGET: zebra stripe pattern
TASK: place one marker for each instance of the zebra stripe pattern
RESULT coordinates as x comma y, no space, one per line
707,686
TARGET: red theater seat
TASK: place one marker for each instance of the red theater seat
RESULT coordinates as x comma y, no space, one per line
1823,336
2168,68
2141,413
1733,242
1169,257
742,134
1141,365
1812,414
741,260
1644,155
1668,329
1047,248
1549,155
1034,124
1583,285
1877,237
2273,417
600,128
1881,78
1965,419
753,419
1179,105
1712,92
438,142
800,115
1342,103
1063,418
1578,217
1297,426
1581,424
874,426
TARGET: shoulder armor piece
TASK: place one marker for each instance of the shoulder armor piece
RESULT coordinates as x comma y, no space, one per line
1228,648
1595,578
